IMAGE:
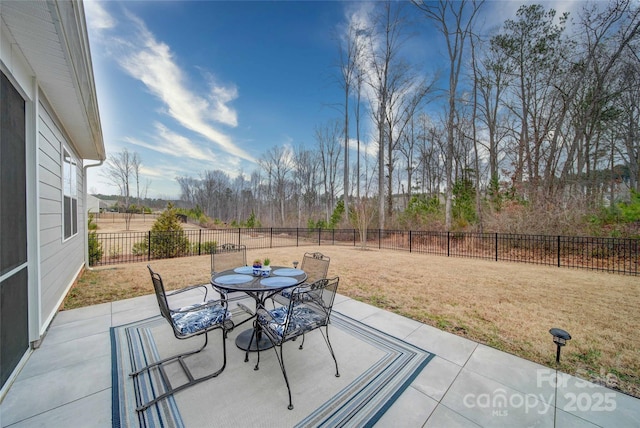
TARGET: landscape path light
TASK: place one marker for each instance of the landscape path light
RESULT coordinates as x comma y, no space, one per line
560,338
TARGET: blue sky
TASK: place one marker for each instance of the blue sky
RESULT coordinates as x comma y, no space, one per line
212,85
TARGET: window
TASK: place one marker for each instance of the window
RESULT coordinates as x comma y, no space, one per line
70,208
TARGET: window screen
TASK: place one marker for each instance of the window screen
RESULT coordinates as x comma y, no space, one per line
13,179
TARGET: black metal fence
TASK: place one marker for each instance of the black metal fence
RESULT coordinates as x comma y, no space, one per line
604,254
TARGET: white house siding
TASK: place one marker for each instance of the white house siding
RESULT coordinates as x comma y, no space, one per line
16,68
60,260
44,52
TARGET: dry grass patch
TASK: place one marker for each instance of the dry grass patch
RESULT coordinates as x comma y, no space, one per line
509,306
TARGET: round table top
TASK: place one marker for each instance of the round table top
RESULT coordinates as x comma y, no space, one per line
243,279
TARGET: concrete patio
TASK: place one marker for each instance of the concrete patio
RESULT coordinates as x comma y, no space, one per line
67,381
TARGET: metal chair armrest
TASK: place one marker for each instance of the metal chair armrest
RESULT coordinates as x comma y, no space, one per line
189,288
200,307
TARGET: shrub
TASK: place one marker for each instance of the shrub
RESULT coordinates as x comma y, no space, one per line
95,246
320,224
167,236
252,222
422,212
208,247
630,211
337,214
463,207
140,248
114,252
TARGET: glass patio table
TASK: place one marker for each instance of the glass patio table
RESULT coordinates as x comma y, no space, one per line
260,288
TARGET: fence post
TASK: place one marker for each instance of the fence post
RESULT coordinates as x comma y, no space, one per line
297,236
354,237
149,246
558,250
496,246
409,241
379,239
319,235
271,237
199,241
448,243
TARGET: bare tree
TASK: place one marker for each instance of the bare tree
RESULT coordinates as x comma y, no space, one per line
306,166
357,113
187,189
474,136
361,217
629,120
351,53
135,166
355,60
491,78
533,47
386,75
255,187
278,162
610,36
328,137
430,175
407,148
241,199
406,98
145,189
455,21
120,170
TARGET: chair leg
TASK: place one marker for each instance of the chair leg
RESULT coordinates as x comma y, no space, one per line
192,381
257,367
253,336
302,344
255,332
326,339
168,359
284,372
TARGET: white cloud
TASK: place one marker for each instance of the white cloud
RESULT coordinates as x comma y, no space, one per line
153,63
197,158
168,142
219,97
153,172
367,148
97,17
493,14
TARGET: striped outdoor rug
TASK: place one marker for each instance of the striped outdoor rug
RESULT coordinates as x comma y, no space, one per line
375,368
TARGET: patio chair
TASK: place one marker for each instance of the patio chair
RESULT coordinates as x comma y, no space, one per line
315,265
229,256
309,309
186,322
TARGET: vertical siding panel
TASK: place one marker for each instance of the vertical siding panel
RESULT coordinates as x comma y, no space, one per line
59,260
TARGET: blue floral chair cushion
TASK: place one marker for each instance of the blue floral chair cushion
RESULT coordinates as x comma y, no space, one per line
300,293
193,318
286,293
302,319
